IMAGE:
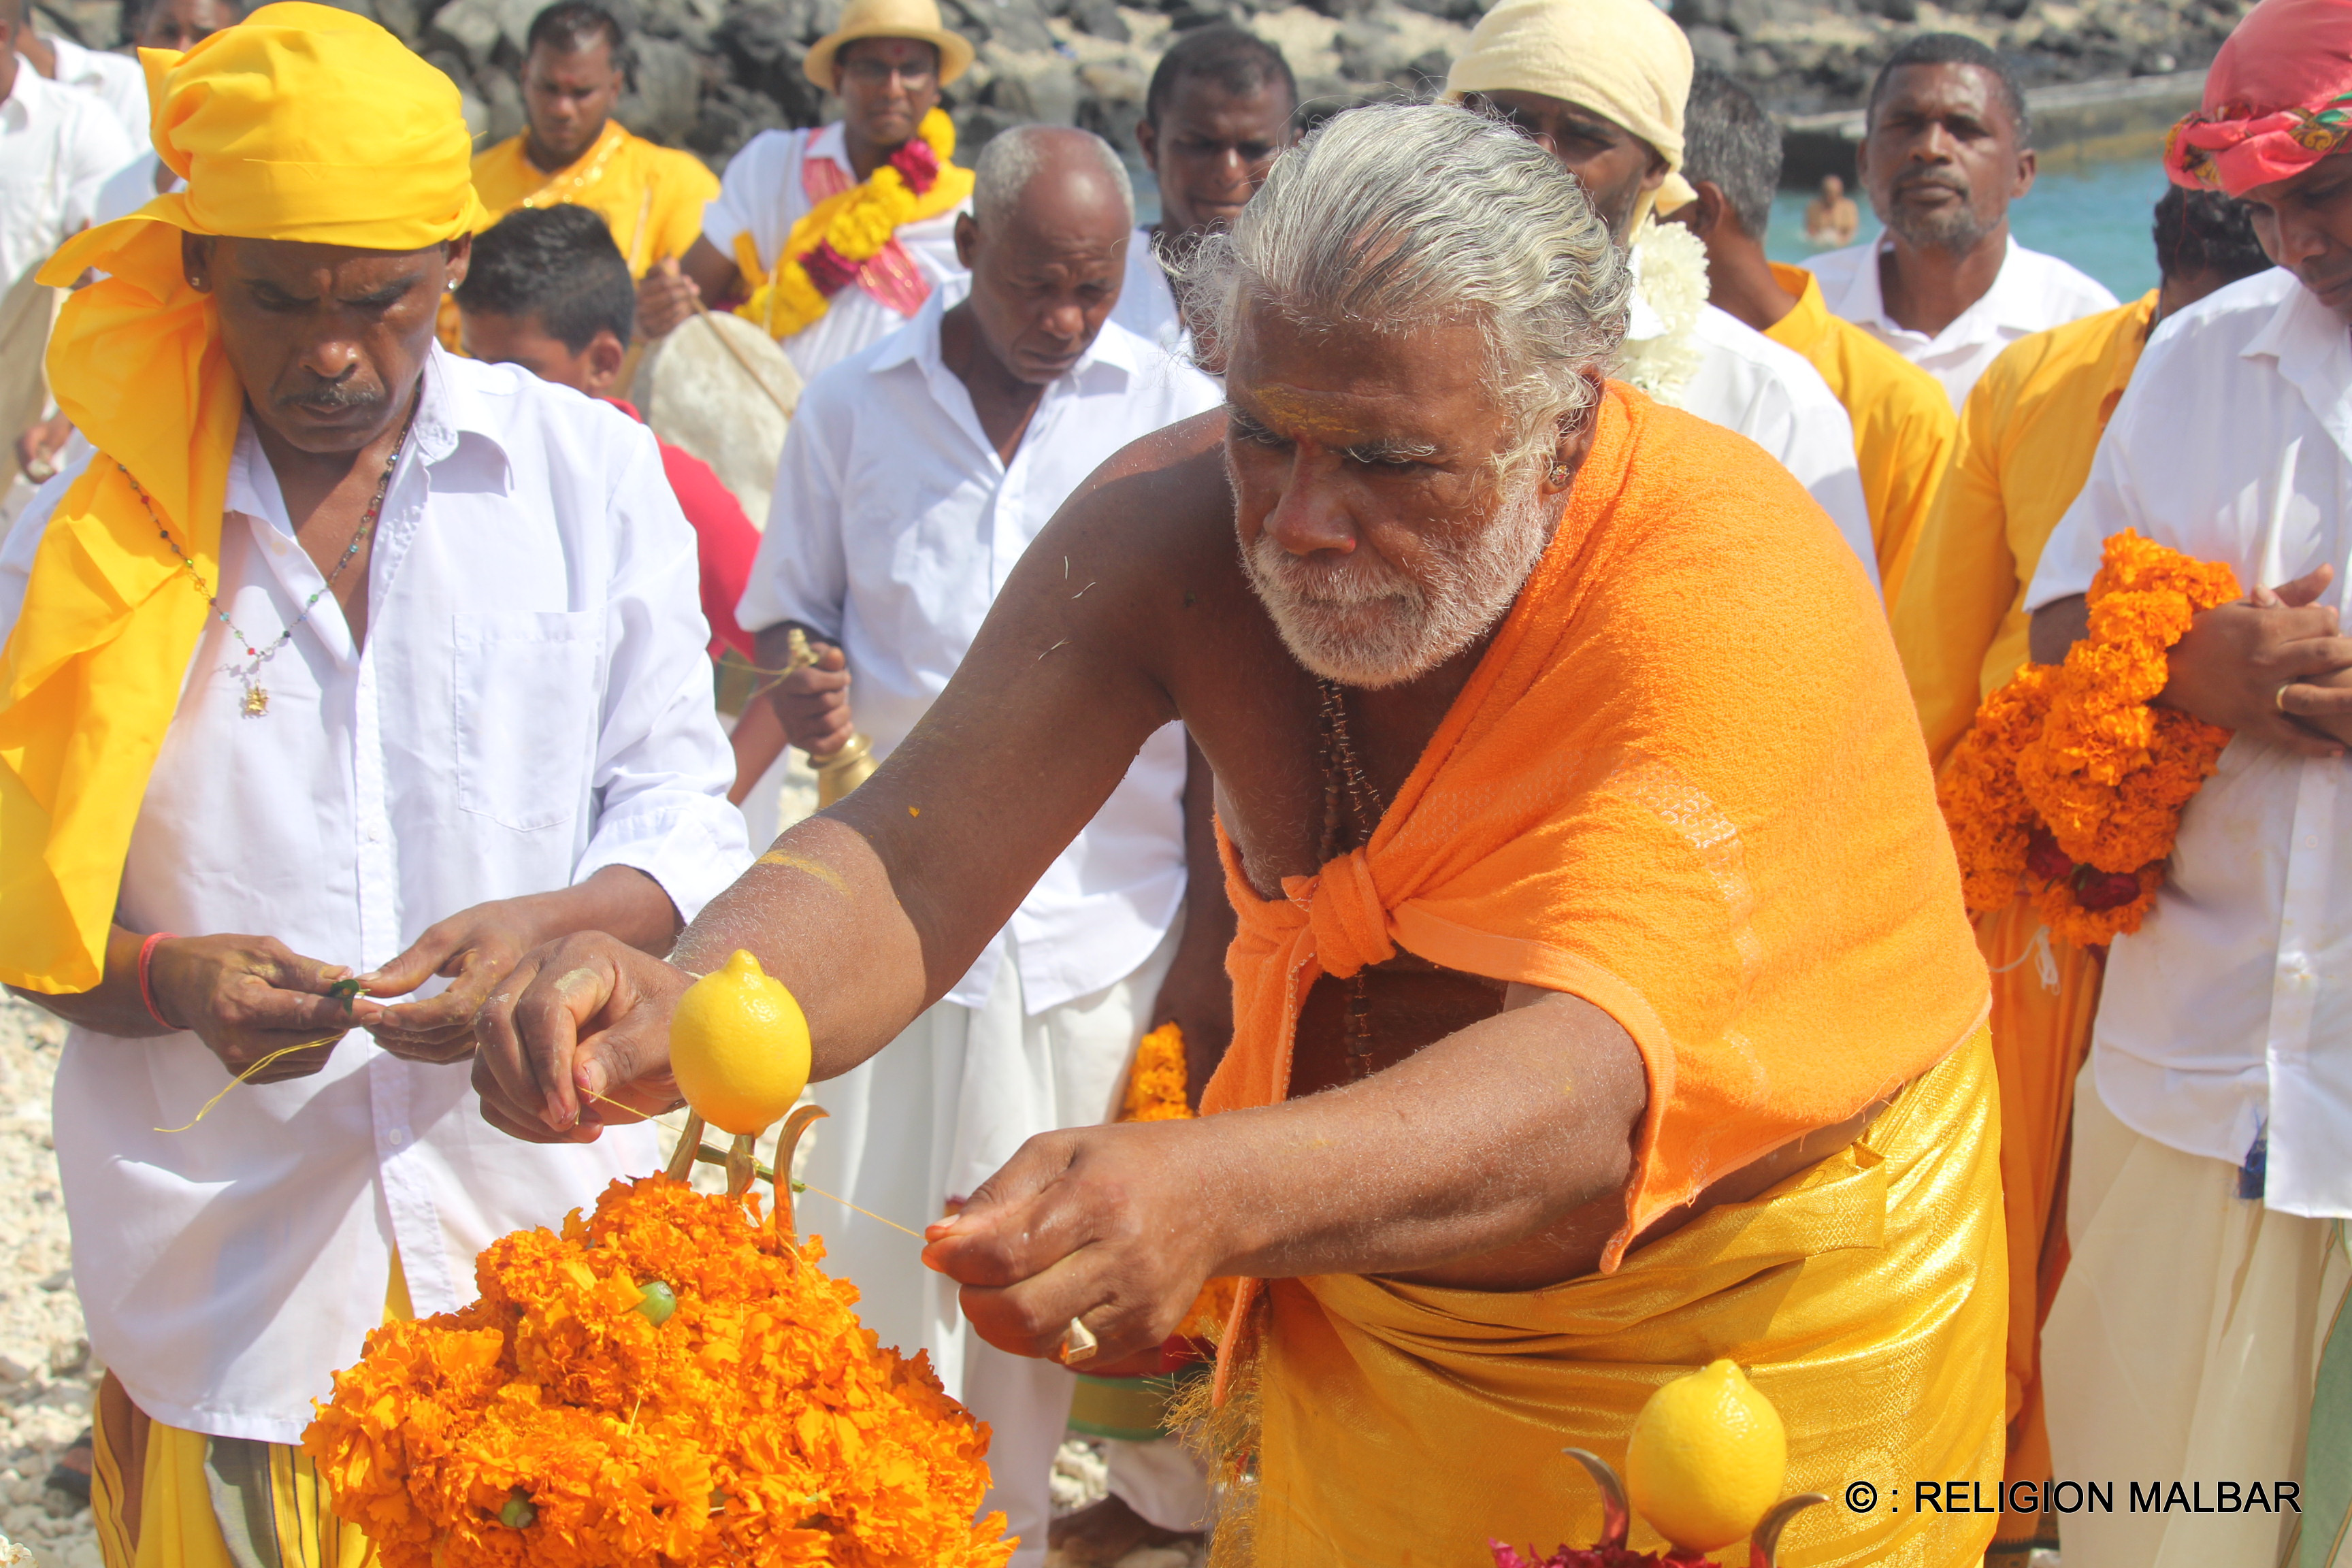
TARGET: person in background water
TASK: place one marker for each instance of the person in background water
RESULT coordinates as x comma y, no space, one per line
58,145
1902,424
1602,85
1830,218
2028,432
1222,104
915,475
550,291
438,690
1949,145
772,238
571,152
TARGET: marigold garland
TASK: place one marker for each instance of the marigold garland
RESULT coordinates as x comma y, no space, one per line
2071,783
839,235
1156,1089
555,1423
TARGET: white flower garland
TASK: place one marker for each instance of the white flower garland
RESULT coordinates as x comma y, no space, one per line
1662,352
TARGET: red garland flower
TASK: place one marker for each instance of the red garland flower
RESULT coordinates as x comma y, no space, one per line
918,164
829,270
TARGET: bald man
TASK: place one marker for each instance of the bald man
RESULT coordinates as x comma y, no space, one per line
917,472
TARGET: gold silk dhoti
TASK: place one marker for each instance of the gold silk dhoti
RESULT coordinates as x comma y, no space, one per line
1867,1297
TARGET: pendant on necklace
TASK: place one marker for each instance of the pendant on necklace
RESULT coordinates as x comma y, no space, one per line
257,700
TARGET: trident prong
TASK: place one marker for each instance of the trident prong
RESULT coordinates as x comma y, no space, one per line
1616,1518
1764,1542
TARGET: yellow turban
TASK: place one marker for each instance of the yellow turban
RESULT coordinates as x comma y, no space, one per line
303,122
1624,59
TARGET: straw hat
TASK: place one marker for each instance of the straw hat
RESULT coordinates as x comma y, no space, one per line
917,19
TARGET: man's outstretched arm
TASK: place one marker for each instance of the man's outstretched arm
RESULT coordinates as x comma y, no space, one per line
874,909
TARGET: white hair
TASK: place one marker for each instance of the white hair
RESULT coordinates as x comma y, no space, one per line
1012,158
1391,217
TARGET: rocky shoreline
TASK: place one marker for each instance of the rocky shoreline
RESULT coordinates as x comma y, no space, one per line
710,74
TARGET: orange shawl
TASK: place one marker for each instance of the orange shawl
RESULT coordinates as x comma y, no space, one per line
1685,784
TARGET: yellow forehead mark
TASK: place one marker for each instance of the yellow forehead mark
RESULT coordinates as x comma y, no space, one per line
817,868
1303,414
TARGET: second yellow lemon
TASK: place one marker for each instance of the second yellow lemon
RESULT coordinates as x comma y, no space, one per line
738,1046
1706,1459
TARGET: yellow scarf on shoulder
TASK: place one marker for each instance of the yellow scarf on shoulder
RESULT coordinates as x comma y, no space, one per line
303,122
856,225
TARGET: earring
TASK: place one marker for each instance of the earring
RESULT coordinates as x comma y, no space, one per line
1560,473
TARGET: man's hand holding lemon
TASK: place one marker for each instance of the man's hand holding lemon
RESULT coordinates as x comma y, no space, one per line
576,1037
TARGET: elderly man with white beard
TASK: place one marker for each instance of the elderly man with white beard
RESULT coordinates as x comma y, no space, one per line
1603,1000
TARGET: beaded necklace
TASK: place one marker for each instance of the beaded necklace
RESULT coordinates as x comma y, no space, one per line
257,696
1347,793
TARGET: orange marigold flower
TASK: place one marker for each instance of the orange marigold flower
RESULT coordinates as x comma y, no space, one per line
758,1423
2077,752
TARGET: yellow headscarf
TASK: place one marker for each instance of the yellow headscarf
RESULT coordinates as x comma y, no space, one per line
1623,58
303,122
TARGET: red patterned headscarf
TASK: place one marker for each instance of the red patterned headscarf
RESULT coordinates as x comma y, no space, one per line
2277,99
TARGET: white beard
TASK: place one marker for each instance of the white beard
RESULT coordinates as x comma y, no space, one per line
1361,622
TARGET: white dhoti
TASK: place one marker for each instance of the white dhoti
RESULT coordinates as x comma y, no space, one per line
2182,1347
923,1124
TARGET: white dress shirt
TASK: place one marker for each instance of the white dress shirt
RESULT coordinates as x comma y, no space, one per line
894,528
132,187
532,703
58,145
761,194
2032,293
2231,1009
1147,304
118,81
1772,395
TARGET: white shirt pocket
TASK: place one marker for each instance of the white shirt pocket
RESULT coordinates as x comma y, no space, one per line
525,693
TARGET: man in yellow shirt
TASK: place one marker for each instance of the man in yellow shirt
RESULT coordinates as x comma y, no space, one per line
1904,427
572,151
2026,435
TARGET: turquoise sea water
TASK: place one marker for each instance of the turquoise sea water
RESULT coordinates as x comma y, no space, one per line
2095,216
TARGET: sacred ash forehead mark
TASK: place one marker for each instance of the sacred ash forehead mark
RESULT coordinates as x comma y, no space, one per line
1330,418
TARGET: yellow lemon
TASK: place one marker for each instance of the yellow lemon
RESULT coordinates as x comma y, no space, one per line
738,1046
1706,1459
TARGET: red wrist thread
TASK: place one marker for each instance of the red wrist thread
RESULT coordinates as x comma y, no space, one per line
146,991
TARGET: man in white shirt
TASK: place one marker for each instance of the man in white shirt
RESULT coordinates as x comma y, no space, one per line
114,79
58,145
177,25
916,474
1221,103
887,63
1603,85
2196,1334
439,689
1950,146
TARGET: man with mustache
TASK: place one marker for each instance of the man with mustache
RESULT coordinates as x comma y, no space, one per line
1219,107
916,474
571,152
2213,1112
343,668
1596,1013
1948,146
792,200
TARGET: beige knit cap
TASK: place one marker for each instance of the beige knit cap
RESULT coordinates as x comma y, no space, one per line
1622,59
